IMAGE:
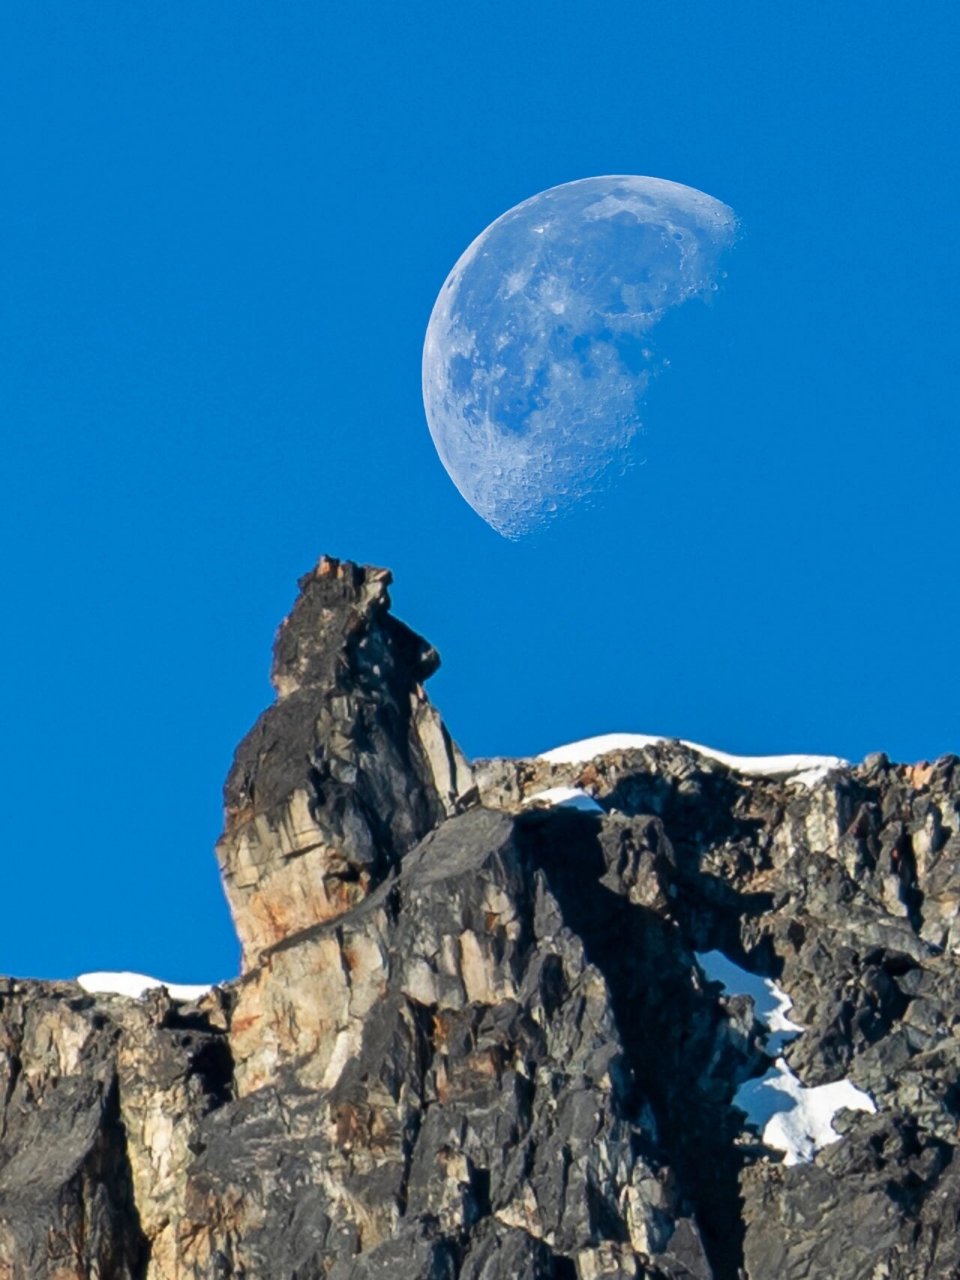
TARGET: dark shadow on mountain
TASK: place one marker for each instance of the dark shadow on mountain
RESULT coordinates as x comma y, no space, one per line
665,1023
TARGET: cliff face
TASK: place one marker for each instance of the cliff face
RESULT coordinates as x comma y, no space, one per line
488,1023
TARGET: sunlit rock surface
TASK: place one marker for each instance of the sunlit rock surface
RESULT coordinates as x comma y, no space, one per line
472,1038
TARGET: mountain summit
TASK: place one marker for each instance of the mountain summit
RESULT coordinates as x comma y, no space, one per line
633,1008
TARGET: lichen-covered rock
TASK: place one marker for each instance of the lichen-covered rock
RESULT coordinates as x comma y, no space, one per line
472,1037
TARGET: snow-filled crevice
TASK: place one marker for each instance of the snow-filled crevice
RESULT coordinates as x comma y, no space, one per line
792,1118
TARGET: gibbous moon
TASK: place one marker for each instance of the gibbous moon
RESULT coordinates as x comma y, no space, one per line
536,356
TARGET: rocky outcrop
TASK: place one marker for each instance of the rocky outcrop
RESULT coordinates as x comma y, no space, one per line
103,1101
476,1033
345,772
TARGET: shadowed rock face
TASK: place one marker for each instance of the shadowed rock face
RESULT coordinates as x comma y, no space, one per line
471,1038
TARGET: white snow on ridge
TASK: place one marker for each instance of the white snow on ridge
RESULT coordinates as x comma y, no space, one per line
792,1118
803,769
136,985
566,798
589,748
771,1003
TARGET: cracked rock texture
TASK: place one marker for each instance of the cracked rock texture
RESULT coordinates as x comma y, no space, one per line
471,1038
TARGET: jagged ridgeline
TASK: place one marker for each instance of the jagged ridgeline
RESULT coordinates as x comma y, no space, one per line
646,1014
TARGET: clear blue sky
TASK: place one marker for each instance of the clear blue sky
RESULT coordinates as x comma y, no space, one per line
223,231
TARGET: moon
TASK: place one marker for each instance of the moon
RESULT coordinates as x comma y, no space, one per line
537,353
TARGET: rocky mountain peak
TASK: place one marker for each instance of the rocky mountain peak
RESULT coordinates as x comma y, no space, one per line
634,1009
346,771
340,634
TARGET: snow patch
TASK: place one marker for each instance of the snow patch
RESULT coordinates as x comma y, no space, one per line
590,748
810,777
803,769
771,1004
566,798
136,985
794,1119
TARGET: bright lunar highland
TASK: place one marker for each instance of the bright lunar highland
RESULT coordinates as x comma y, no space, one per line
537,352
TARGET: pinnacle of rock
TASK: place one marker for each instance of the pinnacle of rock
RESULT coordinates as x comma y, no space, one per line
345,772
